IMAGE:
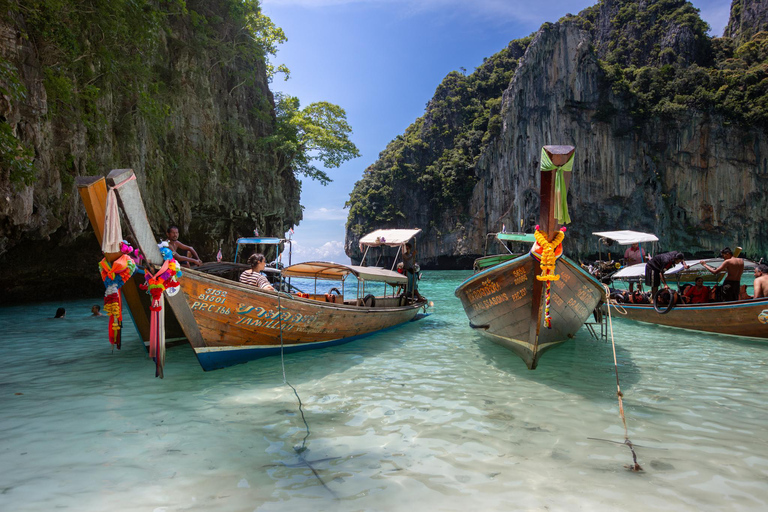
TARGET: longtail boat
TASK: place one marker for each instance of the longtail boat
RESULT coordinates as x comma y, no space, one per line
526,304
227,322
745,318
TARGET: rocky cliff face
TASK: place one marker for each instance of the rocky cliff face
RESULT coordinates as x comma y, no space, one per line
193,133
748,17
697,183
695,177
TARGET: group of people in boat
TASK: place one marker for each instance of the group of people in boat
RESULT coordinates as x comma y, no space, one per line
730,290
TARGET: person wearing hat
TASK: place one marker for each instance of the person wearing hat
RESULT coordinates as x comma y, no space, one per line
655,268
733,267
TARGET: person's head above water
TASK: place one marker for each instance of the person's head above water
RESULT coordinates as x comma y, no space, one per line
60,313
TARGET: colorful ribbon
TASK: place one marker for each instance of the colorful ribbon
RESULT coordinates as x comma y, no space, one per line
155,285
561,191
114,277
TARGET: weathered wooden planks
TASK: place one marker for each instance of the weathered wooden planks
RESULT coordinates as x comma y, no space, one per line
739,318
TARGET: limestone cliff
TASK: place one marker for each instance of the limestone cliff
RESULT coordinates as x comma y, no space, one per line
628,83
173,91
748,17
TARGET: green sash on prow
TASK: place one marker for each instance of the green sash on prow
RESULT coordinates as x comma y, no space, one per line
561,191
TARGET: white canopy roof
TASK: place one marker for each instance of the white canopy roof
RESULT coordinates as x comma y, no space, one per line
336,271
695,269
389,237
627,237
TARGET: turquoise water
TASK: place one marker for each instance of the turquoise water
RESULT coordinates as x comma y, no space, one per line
428,416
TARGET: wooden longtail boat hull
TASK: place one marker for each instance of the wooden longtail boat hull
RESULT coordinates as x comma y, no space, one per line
748,318
227,322
93,192
506,304
240,323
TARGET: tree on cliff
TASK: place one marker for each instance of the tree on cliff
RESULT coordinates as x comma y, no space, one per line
317,132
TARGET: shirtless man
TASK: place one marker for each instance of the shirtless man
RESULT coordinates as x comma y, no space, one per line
761,281
733,267
175,246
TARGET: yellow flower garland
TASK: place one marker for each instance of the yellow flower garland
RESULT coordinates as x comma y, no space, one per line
548,258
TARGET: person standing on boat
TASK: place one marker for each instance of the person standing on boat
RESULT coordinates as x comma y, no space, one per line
190,257
411,271
632,256
254,276
655,268
698,294
734,268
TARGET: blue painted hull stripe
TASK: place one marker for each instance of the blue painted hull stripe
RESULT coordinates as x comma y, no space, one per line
222,358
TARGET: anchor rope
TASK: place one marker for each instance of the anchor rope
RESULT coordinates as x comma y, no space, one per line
282,363
300,450
619,394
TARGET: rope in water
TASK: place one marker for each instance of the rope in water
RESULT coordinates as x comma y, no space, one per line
635,466
285,379
299,450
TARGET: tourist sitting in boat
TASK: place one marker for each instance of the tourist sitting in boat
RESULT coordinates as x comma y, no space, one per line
699,293
632,256
666,295
760,285
639,297
190,257
733,267
620,296
655,268
254,276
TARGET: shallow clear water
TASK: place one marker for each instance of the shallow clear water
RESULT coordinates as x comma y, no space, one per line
427,416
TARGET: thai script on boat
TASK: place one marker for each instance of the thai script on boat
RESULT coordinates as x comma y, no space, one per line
580,308
584,294
488,288
490,301
257,316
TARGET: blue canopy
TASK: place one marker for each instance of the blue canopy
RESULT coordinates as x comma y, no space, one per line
260,240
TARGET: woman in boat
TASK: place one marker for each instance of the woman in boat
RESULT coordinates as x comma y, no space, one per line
698,294
254,276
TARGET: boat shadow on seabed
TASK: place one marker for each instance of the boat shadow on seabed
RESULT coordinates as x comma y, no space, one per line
583,366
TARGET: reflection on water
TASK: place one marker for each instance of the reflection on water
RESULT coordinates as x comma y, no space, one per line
428,416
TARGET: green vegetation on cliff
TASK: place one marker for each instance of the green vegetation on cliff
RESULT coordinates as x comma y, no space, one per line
658,58
106,67
436,155
658,63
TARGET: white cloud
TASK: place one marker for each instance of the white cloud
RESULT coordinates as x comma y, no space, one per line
323,213
329,251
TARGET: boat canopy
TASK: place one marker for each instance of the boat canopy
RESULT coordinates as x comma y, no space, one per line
388,237
695,269
337,271
260,240
516,237
627,237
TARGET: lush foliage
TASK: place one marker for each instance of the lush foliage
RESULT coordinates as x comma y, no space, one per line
16,157
712,76
317,132
436,156
104,66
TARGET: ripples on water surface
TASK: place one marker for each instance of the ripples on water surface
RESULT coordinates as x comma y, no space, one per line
428,416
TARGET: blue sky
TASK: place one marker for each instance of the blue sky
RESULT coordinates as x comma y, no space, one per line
381,60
